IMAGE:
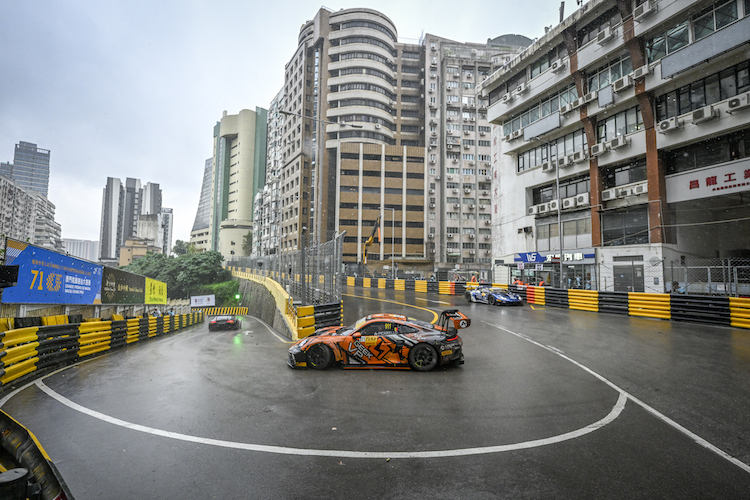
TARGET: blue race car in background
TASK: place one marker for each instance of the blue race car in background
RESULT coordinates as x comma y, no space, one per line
494,296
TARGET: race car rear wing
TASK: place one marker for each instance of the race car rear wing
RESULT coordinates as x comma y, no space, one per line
452,319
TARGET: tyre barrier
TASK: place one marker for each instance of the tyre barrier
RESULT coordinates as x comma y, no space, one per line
24,351
723,311
312,318
35,474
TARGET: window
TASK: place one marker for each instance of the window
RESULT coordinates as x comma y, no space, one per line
722,149
627,227
610,72
622,123
566,145
709,90
624,174
714,18
541,109
668,42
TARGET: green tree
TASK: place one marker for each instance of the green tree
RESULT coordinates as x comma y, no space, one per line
180,247
184,275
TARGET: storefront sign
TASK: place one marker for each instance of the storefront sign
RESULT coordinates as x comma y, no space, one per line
119,287
708,182
577,256
46,277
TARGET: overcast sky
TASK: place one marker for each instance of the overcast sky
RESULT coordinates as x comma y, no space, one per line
133,88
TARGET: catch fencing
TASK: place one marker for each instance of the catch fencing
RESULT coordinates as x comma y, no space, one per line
308,275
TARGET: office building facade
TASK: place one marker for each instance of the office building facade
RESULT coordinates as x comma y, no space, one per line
199,234
623,139
30,167
239,159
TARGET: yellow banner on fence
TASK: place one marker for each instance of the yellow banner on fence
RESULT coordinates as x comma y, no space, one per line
156,292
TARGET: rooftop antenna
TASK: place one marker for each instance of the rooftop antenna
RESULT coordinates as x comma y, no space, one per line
562,11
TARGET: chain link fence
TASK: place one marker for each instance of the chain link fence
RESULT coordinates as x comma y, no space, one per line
309,275
727,277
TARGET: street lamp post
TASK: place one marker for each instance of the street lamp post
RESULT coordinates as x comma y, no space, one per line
559,200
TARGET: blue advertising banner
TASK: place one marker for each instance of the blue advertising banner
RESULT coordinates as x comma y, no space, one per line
46,277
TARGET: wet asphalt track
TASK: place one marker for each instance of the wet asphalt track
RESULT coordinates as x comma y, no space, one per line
550,404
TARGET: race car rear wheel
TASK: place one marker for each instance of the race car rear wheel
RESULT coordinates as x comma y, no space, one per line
491,300
423,357
319,356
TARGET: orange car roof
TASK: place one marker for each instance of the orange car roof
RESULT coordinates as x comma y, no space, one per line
386,316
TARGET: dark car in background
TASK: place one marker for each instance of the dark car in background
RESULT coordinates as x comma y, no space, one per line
224,323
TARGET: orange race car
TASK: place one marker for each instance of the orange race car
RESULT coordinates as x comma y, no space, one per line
384,341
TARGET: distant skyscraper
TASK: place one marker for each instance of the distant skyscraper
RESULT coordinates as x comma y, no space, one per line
83,249
30,167
199,233
122,206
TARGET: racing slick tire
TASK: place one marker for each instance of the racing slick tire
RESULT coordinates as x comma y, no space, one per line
467,295
423,357
319,356
491,301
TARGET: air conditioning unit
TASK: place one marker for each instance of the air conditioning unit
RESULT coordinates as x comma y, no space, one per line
432,251
431,91
450,235
521,88
548,166
628,191
487,236
557,66
485,193
432,162
377,125
456,205
569,203
575,104
433,134
482,133
590,96
449,132
518,133
437,177
609,194
431,235
432,205
467,191
669,125
623,83
466,118
432,191
450,119
466,132
618,142
553,205
472,163
450,176
472,207
600,148
472,252
642,71
506,98
737,103
455,160
449,146
641,188
466,146
579,156
543,208
487,222
582,199
532,210
565,109
508,137
487,252
472,236
704,114
455,191
564,161
644,10
605,35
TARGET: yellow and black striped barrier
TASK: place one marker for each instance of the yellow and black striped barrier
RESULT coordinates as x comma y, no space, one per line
34,348
311,318
224,311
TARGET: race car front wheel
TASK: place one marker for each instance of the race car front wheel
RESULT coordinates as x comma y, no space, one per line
492,300
423,357
467,295
319,356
